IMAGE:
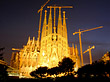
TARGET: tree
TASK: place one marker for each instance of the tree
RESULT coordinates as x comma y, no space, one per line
96,70
66,65
40,72
107,68
1,54
3,68
54,71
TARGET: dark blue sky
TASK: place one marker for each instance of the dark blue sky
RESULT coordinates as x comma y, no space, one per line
19,20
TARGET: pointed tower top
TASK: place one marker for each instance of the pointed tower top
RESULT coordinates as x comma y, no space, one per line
28,43
75,45
33,40
76,50
29,38
72,44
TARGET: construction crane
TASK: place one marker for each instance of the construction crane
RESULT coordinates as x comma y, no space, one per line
81,42
40,10
16,49
90,55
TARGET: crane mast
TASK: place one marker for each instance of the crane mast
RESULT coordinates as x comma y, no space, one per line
90,55
81,42
40,10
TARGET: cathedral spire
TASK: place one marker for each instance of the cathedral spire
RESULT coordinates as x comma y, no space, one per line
73,49
76,50
33,41
44,25
64,26
59,22
28,43
50,22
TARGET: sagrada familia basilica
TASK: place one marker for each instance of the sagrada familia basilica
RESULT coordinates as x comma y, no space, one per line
50,49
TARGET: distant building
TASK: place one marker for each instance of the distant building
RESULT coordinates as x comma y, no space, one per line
106,57
15,60
53,48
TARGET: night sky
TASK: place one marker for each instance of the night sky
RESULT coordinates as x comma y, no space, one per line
19,20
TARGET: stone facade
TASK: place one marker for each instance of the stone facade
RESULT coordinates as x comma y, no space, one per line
53,47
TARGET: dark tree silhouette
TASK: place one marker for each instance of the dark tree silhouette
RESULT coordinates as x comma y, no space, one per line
40,72
54,71
3,68
107,68
66,65
1,54
98,68
95,70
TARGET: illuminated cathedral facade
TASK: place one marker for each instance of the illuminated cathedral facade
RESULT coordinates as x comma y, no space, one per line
51,49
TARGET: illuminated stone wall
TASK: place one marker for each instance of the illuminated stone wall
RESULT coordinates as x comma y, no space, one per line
106,57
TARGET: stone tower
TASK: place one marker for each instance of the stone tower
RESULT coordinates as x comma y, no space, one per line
54,43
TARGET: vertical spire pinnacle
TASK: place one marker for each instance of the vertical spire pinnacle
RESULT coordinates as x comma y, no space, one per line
50,22
73,49
44,24
64,26
28,43
73,45
33,40
59,22
76,50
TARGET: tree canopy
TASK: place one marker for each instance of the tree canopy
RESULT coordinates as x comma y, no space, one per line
66,66
3,68
97,69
